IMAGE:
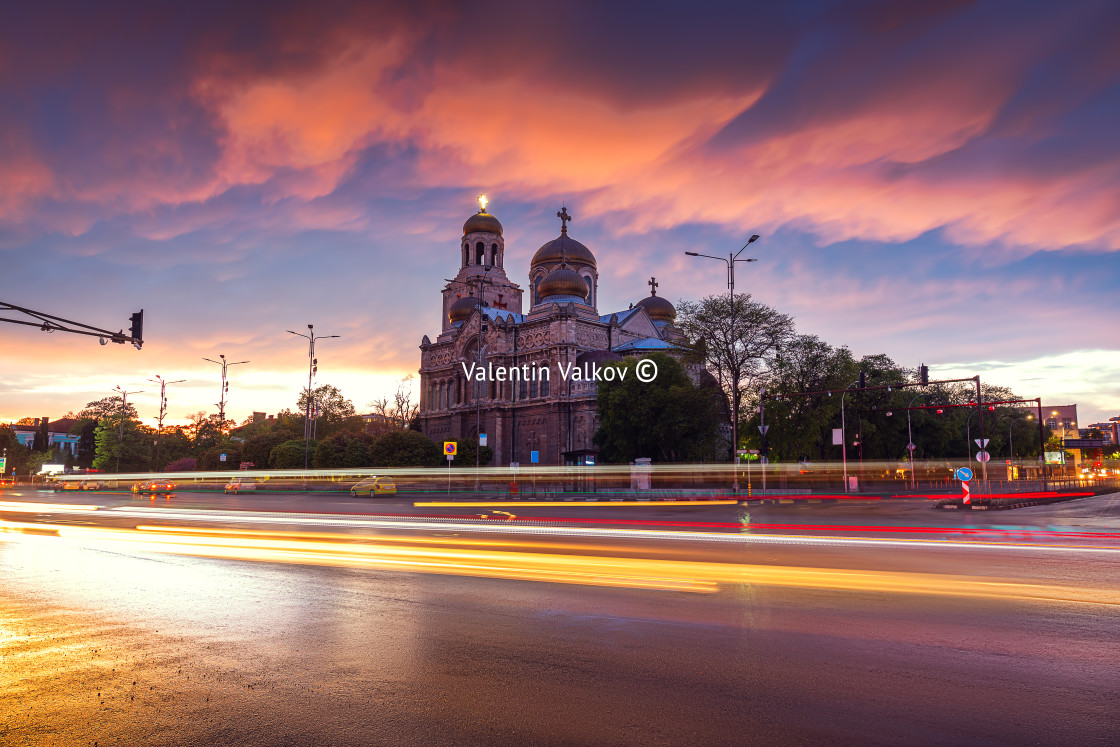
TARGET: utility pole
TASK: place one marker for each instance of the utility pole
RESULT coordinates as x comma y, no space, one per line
730,261
225,388
312,368
162,410
124,413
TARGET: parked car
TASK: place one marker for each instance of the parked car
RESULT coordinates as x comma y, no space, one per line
89,485
153,486
239,485
374,485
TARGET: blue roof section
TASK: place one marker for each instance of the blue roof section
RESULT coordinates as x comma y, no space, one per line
622,315
507,316
647,343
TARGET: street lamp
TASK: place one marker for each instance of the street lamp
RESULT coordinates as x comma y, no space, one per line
225,388
730,262
312,368
124,411
910,442
844,433
162,409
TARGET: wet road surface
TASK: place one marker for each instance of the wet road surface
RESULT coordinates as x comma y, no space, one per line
114,643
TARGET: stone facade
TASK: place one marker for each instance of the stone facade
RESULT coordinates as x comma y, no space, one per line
534,412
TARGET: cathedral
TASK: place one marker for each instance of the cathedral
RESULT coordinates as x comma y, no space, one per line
533,410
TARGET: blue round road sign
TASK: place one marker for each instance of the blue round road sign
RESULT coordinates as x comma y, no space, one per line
964,474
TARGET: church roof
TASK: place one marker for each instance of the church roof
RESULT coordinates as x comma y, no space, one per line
507,316
646,343
622,315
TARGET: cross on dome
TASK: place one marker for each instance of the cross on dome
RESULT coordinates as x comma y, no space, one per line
653,286
482,202
564,218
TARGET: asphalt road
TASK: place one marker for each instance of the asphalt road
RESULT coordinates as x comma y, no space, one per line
999,640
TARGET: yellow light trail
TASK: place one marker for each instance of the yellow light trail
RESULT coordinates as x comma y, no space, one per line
506,504
591,570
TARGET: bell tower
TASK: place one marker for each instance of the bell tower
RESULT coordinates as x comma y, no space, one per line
482,272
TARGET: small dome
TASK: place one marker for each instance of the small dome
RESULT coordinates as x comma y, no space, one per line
563,282
461,309
659,309
482,222
564,248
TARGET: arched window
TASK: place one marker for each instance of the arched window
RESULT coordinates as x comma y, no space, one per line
466,254
590,299
544,386
532,388
524,390
480,253
536,290
494,255
443,395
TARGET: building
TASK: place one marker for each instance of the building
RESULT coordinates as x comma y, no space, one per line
58,434
1061,420
510,363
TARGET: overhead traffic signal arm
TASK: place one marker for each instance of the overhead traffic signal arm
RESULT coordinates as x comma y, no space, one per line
51,323
895,385
939,408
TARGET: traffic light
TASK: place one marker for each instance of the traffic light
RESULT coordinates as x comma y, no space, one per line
991,408
923,375
939,411
764,450
137,321
862,379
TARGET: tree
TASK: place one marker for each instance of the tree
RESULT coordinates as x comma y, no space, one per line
17,454
669,419
343,449
258,449
737,352
406,449
108,407
130,440
395,413
333,407
288,455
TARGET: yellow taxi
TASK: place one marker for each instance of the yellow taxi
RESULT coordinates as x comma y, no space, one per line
372,486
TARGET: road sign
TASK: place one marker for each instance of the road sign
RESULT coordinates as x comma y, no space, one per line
534,457
753,451
763,428
482,440
837,436
983,456
966,493
910,447
977,441
3,464
221,457
450,448
964,474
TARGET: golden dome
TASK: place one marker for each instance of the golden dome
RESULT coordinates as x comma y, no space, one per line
658,308
563,249
461,309
563,282
482,222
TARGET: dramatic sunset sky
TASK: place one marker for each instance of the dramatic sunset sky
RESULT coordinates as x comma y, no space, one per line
937,181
